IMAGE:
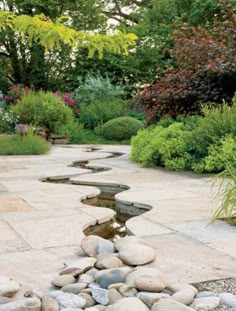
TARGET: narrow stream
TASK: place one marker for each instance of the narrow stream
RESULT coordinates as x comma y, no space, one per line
115,228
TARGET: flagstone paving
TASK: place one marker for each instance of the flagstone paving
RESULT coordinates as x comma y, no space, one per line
41,224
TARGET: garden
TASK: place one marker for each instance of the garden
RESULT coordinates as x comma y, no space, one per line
140,96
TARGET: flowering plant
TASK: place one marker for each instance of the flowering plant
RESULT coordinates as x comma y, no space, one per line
8,121
69,101
15,93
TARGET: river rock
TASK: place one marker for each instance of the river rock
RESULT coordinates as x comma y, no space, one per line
63,280
205,303
185,296
74,271
4,300
85,278
23,292
27,304
49,304
100,307
128,304
100,295
228,299
128,291
150,283
137,254
116,286
128,240
139,272
113,295
105,247
108,262
86,263
206,294
87,291
150,298
66,300
170,305
74,288
8,287
90,302
110,277
89,244
175,287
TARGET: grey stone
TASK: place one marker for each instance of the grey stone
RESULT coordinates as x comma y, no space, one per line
128,304
89,245
170,305
92,272
74,288
100,295
63,280
185,296
128,240
74,271
137,254
205,303
206,294
66,300
113,295
228,299
94,285
86,263
90,302
139,272
175,287
8,287
110,277
108,262
127,290
105,247
27,304
85,278
150,298
49,304
150,283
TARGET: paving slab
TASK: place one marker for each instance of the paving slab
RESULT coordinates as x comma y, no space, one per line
13,204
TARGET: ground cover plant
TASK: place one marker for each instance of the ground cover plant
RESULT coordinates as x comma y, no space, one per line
17,144
190,143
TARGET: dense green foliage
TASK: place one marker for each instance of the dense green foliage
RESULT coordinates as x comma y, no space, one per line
22,145
194,143
46,110
8,121
101,111
121,128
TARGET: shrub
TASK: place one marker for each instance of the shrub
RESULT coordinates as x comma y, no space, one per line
69,101
44,109
169,147
23,145
15,93
205,68
97,88
218,154
8,121
121,128
99,112
217,121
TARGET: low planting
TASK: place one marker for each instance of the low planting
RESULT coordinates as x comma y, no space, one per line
120,128
192,143
23,145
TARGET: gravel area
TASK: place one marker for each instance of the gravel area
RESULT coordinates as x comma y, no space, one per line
220,286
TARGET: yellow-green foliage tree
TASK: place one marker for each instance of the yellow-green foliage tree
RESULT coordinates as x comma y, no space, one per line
24,38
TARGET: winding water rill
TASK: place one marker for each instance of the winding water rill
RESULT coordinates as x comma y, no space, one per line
115,228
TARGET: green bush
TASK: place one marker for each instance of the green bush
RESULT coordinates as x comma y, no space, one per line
97,88
8,121
218,154
100,112
121,128
216,122
169,147
44,109
23,145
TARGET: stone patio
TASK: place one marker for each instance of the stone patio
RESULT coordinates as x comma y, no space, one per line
41,224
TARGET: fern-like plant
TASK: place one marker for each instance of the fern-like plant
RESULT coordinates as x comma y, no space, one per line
227,195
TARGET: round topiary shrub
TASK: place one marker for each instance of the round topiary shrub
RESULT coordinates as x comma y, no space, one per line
121,128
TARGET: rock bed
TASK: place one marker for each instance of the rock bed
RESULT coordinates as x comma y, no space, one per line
111,277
